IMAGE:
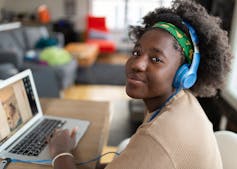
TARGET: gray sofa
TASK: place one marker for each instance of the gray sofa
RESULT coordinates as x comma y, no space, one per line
15,43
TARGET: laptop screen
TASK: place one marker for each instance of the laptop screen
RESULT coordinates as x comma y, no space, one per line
17,106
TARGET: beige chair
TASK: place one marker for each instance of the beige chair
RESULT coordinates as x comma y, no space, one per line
123,144
227,142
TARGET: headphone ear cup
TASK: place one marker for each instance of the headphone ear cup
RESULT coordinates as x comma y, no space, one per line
189,80
180,75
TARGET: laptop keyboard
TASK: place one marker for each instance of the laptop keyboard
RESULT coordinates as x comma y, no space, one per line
33,143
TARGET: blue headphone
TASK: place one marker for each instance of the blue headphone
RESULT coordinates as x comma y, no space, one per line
186,75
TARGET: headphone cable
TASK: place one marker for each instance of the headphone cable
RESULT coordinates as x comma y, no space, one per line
49,161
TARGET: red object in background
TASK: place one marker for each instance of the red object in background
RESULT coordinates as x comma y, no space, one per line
99,23
43,14
105,46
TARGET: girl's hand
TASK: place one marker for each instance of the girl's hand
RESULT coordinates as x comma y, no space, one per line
62,141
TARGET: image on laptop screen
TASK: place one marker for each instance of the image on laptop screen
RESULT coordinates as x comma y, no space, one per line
17,106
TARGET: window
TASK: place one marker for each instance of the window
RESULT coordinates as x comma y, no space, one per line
113,10
230,91
121,13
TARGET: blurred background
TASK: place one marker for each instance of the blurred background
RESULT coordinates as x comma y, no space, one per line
80,47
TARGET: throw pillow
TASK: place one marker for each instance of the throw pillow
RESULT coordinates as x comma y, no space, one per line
55,56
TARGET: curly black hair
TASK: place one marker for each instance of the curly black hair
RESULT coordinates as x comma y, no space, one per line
213,42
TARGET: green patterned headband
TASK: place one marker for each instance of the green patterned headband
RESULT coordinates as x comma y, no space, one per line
183,40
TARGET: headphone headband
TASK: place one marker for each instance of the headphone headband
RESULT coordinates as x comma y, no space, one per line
186,75
183,40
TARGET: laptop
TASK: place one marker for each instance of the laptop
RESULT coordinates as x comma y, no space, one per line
24,128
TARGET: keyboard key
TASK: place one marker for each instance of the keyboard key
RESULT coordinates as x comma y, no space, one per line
36,141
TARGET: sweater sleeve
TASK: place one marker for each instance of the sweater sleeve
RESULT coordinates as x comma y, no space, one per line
143,152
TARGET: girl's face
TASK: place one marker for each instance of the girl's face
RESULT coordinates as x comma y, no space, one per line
151,68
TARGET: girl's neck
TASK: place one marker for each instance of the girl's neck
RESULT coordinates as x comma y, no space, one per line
155,103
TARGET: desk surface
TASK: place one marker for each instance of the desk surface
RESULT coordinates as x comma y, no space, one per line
95,138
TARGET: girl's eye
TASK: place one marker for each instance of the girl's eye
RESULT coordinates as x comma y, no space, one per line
135,53
156,59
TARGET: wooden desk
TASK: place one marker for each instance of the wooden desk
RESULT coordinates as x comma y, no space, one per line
90,146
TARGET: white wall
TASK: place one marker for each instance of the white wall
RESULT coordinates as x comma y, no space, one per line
56,8
1,3
82,12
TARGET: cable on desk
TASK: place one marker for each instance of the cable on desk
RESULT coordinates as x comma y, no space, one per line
49,161
97,158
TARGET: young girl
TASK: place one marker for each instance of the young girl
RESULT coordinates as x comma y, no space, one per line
175,49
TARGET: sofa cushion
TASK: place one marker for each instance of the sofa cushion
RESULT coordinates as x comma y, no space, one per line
15,44
55,56
9,43
7,70
65,74
46,42
97,34
100,73
33,34
18,35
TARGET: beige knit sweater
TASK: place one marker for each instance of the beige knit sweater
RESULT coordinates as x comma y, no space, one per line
180,137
